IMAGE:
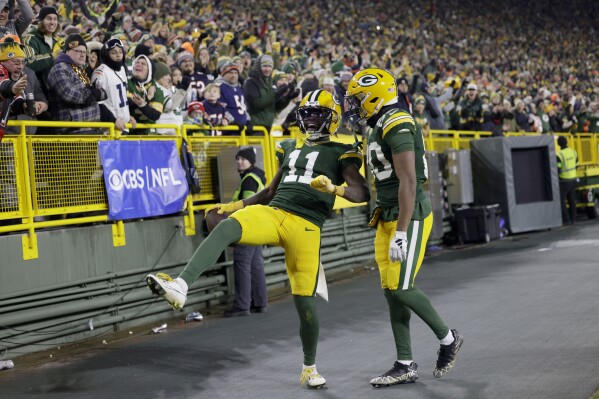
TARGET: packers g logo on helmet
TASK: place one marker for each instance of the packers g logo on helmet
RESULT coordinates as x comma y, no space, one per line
319,114
367,80
369,91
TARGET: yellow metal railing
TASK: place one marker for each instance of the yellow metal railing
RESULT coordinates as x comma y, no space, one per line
52,180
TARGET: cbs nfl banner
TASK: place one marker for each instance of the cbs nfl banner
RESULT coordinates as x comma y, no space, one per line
143,178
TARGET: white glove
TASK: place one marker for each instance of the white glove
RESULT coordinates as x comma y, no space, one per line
399,247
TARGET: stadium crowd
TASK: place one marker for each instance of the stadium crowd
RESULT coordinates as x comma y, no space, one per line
462,65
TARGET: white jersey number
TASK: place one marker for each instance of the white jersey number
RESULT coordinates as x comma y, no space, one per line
308,174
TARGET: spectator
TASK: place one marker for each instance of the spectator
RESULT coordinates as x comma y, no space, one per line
246,60
231,95
420,116
111,77
567,161
341,89
328,84
195,114
43,44
198,80
72,97
147,99
494,116
16,84
264,102
11,26
470,110
216,112
433,110
203,63
174,98
404,97
93,57
521,116
248,263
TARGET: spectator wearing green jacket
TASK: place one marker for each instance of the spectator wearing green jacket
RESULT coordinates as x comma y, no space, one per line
40,54
262,100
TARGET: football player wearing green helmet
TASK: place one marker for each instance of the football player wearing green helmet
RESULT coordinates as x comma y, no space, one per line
403,218
289,213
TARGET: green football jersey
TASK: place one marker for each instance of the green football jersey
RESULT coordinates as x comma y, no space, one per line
302,161
396,132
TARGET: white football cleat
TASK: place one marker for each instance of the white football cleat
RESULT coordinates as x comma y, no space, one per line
311,378
174,291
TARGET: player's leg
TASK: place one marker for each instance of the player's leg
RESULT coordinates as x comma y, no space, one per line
418,301
404,369
236,228
301,240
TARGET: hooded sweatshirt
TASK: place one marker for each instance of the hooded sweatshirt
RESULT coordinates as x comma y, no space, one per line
154,105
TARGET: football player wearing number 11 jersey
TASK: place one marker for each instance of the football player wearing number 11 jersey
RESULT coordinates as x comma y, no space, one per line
289,213
403,218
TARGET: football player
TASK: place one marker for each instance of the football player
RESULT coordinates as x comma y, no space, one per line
289,213
403,217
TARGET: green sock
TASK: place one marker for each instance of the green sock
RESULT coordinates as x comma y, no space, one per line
400,324
309,326
419,303
225,233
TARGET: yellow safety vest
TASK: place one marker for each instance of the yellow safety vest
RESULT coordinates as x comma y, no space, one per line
567,160
237,193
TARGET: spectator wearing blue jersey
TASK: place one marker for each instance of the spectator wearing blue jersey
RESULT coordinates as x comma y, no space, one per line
231,95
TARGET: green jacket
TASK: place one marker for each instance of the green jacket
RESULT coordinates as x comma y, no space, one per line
39,54
260,97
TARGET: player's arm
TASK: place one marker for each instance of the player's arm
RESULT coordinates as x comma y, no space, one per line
357,188
265,195
404,164
261,197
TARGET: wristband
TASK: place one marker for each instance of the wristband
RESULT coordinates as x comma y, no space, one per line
339,190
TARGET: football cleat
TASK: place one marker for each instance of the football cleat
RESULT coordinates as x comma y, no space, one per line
174,291
447,355
311,378
398,374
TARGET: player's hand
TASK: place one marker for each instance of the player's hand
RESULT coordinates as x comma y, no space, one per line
399,247
229,207
323,184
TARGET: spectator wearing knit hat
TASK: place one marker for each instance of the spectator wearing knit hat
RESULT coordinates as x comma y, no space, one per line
232,95
197,80
174,98
72,97
263,101
13,82
146,99
11,26
43,44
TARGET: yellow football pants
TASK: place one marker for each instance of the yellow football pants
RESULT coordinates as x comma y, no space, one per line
396,275
265,225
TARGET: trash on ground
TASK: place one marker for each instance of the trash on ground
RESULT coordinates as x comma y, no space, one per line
159,329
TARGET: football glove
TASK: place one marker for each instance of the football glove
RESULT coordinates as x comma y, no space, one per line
399,247
323,184
229,207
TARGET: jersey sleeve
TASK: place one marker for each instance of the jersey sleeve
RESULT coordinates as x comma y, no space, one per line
280,149
351,157
398,132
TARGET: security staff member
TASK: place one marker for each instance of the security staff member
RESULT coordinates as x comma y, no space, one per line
567,160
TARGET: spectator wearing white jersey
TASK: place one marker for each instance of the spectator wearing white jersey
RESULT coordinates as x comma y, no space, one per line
111,76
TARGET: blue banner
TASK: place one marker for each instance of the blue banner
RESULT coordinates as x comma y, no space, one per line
143,178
